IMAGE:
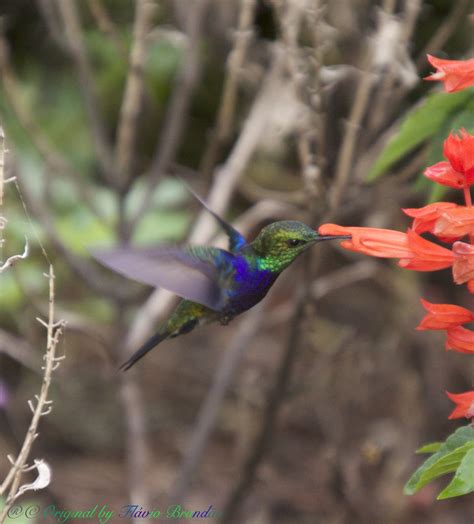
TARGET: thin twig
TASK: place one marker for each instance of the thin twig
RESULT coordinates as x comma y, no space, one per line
346,153
134,89
42,408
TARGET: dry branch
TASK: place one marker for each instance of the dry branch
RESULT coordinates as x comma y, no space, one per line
11,485
134,90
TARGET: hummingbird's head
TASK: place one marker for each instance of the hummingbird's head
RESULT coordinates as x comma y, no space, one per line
279,243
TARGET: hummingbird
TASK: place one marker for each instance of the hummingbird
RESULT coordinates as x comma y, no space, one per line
215,284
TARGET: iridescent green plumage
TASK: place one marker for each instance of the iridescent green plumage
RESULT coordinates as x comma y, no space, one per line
216,285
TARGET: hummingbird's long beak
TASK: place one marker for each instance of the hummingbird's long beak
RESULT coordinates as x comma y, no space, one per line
333,237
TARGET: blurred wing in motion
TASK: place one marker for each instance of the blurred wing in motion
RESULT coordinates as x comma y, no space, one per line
190,272
236,239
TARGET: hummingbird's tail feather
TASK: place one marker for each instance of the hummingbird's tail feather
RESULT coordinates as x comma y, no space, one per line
147,346
184,319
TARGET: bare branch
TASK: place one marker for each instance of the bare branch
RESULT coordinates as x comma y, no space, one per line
134,89
42,408
13,258
352,126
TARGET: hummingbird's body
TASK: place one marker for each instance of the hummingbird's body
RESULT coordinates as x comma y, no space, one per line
216,284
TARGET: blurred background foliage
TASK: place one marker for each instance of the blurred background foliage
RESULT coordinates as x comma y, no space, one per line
366,389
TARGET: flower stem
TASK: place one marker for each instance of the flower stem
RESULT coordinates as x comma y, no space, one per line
467,195
468,200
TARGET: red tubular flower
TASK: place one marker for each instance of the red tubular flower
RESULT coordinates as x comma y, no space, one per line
460,339
413,251
426,256
456,74
444,174
426,217
464,404
463,265
458,172
444,316
454,223
382,243
459,150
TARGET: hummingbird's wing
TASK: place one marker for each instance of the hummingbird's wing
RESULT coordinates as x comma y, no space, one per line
236,239
192,272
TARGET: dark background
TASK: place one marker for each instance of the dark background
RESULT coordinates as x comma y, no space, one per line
331,389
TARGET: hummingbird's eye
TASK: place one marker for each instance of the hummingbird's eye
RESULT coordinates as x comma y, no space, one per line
294,242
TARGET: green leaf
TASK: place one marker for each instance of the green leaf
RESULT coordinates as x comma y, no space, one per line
433,447
462,436
446,464
463,480
420,124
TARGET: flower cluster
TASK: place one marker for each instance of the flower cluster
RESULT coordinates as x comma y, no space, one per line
449,223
